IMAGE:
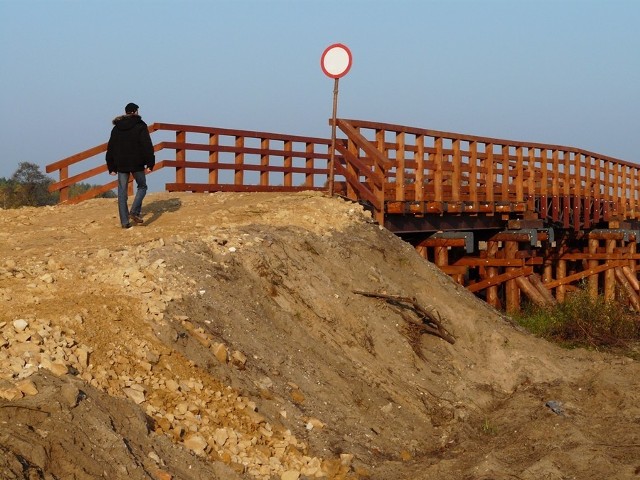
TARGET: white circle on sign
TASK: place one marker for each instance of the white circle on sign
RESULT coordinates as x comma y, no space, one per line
336,60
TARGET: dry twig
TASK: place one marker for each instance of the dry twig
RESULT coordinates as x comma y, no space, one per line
427,321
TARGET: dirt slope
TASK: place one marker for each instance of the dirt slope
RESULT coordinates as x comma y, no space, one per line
224,339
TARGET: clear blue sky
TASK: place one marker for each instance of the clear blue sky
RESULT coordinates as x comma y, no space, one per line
565,72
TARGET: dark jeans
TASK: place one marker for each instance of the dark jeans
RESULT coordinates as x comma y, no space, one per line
136,206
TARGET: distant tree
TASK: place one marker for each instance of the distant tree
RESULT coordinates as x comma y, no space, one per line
31,186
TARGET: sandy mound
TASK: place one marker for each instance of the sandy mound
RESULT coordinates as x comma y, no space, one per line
223,339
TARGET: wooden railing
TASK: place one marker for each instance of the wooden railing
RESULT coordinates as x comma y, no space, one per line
394,169
429,171
208,159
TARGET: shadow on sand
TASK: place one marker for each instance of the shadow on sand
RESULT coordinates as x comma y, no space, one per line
156,208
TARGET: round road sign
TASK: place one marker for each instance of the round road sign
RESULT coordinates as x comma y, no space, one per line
336,60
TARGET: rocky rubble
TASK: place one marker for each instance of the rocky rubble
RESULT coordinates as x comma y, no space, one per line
209,419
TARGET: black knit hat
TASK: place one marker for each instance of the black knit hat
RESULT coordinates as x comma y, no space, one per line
131,108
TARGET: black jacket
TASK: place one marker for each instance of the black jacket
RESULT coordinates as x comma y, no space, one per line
130,148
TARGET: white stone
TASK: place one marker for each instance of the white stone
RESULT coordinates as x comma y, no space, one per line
196,443
221,436
290,475
136,395
20,324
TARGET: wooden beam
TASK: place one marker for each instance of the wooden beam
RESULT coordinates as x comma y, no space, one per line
498,279
580,275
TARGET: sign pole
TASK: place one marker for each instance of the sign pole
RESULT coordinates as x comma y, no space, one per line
335,62
333,137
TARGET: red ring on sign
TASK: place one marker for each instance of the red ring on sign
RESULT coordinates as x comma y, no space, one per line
343,71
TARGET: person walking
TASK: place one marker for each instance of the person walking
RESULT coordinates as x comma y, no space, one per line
130,152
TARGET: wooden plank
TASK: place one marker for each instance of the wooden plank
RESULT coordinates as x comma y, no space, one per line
632,295
419,155
437,175
245,166
456,177
530,291
544,183
583,274
214,139
473,173
546,293
355,184
519,175
400,167
498,279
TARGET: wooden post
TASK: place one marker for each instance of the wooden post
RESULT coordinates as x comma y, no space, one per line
213,158
288,164
181,156
561,272
492,292
519,180
588,191
544,184
456,175
555,186
531,180
264,162
309,165
609,275
631,293
400,167
64,192
441,256
419,157
490,180
631,277
506,175
530,291
238,178
511,286
633,247
473,174
592,282
544,291
437,173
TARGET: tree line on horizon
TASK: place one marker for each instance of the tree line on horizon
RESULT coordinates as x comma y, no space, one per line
28,186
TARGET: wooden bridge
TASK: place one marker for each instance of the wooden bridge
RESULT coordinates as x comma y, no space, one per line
509,220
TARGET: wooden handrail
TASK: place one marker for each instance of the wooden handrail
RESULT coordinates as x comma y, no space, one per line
381,163
567,185
474,138
280,155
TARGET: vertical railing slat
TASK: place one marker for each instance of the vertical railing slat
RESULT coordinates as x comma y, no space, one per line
264,162
419,159
213,158
456,177
288,163
181,156
238,176
437,174
473,174
400,166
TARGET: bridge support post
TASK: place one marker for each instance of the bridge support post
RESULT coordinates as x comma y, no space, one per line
511,287
492,291
592,284
609,276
